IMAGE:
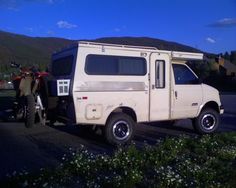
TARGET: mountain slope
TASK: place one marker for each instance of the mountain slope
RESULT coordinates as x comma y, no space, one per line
146,41
28,50
37,50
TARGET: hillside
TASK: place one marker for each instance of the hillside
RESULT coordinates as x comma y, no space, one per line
28,50
36,50
146,41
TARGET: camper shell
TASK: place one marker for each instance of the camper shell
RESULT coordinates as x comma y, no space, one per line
117,86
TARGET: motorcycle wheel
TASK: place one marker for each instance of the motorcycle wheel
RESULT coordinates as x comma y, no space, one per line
29,111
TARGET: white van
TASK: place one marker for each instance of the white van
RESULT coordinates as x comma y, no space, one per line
118,86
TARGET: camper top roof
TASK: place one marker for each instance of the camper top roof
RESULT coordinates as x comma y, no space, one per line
174,54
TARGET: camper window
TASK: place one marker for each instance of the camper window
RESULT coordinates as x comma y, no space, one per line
62,66
160,74
115,65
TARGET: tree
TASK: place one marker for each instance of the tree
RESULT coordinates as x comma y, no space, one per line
233,57
227,56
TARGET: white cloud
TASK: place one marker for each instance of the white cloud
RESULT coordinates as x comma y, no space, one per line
16,4
119,29
210,40
51,1
225,22
30,29
9,4
64,24
50,32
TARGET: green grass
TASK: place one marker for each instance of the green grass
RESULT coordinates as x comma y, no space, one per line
207,161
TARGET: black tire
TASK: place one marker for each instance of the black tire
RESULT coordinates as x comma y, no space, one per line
207,122
29,111
119,129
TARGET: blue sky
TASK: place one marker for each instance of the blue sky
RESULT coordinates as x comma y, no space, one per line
209,25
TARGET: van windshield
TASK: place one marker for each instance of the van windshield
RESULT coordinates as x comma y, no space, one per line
62,66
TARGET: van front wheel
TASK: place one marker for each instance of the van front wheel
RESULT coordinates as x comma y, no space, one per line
119,129
207,121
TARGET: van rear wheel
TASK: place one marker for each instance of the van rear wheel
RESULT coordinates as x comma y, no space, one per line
207,122
119,129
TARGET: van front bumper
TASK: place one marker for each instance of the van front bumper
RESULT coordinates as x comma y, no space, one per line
222,109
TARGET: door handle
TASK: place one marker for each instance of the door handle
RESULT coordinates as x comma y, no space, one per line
176,94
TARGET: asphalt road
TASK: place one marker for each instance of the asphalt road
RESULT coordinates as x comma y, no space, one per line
44,146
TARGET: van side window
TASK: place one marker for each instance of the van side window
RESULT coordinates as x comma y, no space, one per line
183,75
115,65
160,74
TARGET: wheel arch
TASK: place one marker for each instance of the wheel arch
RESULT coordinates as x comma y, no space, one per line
126,110
212,105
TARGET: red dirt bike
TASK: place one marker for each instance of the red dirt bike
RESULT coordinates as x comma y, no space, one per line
31,95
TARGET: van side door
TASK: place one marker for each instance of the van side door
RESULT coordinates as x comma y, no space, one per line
186,92
159,87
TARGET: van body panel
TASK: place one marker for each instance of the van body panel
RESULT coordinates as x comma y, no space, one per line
186,97
108,92
211,94
187,101
159,96
107,103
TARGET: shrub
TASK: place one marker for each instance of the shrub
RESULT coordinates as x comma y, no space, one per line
207,161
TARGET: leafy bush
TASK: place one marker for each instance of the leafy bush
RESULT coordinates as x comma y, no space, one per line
207,161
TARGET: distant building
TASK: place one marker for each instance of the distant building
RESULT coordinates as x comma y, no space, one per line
226,67
5,85
2,84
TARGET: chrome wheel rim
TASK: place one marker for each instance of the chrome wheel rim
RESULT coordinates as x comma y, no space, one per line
208,121
121,130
